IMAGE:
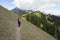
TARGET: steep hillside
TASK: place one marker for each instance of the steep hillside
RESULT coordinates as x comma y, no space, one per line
7,24
48,23
31,32
10,31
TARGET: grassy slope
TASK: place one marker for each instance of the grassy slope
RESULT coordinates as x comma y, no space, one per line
31,32
28,31
7,20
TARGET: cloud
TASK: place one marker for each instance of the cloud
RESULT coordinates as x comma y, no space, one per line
55,10
35,4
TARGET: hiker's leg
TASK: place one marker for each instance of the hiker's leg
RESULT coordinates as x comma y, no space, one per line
19,24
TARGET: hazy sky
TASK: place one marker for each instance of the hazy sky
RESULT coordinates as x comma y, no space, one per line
49,6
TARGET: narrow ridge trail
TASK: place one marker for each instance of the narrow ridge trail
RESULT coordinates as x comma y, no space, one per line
17,34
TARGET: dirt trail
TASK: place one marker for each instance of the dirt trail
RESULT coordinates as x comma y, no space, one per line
17,34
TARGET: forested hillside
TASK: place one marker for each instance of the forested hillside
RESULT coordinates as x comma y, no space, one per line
48,23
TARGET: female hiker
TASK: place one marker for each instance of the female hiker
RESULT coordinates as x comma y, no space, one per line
19,21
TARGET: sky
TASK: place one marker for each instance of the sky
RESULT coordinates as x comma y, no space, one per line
47,6
7,4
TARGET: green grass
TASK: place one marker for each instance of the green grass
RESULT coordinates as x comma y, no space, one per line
7,20
31,32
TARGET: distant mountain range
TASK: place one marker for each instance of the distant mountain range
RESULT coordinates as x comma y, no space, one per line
58,15
17,10
20,11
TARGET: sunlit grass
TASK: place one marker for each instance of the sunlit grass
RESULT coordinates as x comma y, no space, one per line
7,24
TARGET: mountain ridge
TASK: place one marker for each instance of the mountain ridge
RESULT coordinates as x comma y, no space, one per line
17,10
